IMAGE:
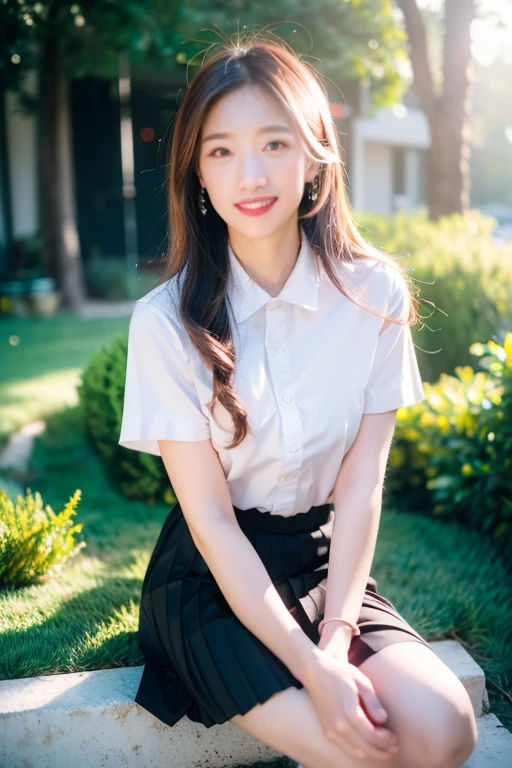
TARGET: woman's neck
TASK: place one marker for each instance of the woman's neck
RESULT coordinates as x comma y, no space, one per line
268,261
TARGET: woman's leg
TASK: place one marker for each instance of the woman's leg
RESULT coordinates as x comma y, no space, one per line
428,709
288,723
424,697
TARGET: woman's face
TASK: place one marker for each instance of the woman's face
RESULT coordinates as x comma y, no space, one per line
260,154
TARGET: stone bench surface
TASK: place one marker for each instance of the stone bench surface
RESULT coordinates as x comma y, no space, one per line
90,719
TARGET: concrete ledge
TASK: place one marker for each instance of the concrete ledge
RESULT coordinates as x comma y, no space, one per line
494,747
89,720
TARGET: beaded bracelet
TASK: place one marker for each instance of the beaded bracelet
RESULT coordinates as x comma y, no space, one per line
354,627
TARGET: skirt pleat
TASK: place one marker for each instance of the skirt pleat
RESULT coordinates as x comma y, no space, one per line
200,659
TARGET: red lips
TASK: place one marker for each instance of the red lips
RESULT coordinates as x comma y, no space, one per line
257,211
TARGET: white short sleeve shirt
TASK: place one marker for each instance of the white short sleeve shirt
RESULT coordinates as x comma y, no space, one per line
310,362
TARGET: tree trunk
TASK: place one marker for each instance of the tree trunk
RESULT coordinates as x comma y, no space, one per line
61,245
448,180
448,188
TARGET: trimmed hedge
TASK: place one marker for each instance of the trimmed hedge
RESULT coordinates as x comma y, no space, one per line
101,393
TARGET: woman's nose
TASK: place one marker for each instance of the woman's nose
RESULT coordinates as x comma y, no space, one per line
253,171
254,183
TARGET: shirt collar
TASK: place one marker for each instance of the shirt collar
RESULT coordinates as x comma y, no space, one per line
301,288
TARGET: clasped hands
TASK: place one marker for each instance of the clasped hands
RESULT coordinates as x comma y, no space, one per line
349,710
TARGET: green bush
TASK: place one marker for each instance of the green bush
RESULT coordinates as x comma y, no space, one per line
452,454
464,281
35,542
101,393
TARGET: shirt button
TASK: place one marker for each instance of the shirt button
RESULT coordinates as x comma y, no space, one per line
276,348
287,397
274,304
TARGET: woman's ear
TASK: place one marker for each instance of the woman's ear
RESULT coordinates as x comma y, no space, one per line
312,171
197,171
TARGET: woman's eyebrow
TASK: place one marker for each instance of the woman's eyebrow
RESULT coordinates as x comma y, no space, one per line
265,129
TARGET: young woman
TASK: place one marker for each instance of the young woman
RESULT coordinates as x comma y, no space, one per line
266,369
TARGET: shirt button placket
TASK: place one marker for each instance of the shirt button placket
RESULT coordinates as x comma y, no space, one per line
279,359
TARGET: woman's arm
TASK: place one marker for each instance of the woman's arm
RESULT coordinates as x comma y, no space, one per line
199,483
357,500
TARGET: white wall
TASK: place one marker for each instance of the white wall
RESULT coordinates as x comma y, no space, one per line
23,166
401,125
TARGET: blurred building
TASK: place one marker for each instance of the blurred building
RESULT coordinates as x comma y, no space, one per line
385,155
385,151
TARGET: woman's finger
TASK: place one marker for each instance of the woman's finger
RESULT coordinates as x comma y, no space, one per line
375,709
376,735
356,735
369,726
347,738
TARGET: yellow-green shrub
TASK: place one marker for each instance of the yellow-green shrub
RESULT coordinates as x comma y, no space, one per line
452,454
34,541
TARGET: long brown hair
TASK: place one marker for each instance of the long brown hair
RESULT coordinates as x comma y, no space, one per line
198,244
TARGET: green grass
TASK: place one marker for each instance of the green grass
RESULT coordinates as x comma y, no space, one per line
444,579
90,608
42,359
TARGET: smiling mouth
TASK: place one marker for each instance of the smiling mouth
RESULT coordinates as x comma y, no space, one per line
257,205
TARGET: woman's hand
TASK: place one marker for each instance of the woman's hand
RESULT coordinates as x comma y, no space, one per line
348,707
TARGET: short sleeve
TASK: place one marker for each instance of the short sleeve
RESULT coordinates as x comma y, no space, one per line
394,380
160,397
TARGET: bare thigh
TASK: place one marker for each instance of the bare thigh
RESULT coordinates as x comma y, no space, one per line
428,709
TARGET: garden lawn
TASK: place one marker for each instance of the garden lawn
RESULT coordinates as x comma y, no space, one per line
42,358
444,579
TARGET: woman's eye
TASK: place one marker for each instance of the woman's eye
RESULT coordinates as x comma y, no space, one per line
220,149
277,142
217,150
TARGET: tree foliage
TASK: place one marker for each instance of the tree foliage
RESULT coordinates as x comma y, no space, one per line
345,39
91,35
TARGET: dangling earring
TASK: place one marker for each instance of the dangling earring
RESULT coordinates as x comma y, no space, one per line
202,201
313,192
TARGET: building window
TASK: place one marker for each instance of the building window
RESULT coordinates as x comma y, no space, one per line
398,161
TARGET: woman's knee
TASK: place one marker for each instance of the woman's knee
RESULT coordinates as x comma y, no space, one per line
444,734
429,709
453,733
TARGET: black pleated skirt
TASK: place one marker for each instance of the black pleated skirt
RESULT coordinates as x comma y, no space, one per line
200,659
